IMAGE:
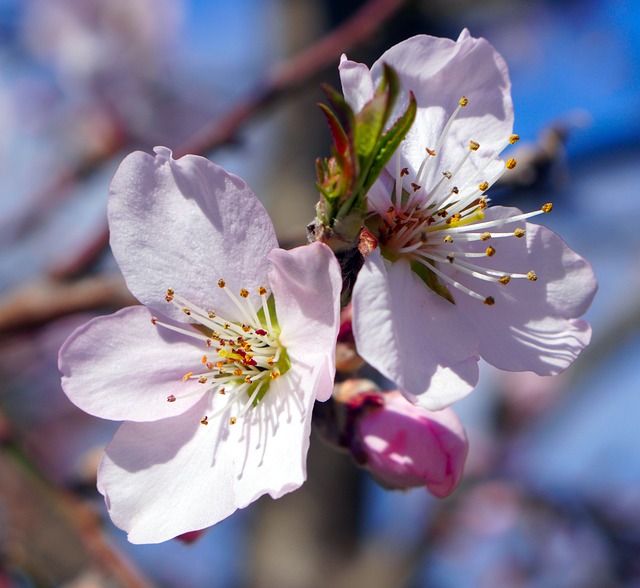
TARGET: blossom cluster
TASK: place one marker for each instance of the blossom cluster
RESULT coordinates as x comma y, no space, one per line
217,372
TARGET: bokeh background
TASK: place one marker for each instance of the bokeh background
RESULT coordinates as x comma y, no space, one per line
551,494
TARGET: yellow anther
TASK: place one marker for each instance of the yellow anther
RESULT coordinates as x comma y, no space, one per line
489,301
485,236
248,380
511,163
211,314
454,219
514,139
244,293
237,372
490,251
275,374
221,283
429,151
532,276
233,420
448,239
548,207
204,359
519,233
169,295
202,380
262,290
483,187
504,280
186,311
474,146
187,376
464,101
482,204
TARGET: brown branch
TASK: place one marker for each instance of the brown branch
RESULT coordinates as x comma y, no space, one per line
50,533
282,80
293,74
43,300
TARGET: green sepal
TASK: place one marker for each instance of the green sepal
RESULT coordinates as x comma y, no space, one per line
343,111
389,143
431,280
369,124
271,305
340,139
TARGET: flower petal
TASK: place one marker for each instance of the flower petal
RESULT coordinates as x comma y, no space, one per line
532,325
184,224
440,72
357,85
306,284
121,367
468,67
172,476
411,335
409,446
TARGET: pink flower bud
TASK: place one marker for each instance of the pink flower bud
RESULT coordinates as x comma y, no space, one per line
408,446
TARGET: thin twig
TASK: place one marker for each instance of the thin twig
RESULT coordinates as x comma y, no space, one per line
281,81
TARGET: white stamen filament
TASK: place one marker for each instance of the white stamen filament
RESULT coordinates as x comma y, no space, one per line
238,357
430,220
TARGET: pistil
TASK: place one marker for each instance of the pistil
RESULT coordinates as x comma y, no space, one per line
249,354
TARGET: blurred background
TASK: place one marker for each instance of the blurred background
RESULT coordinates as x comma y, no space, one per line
551,494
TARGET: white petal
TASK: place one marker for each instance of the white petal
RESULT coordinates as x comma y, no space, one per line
412,335
357,85
532,325
184,224
121,367
439,72
166,478
306,284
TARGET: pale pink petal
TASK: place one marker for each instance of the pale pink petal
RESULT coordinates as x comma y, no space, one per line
439,72
412,335
184,224
306,284
121,367
357,85
163,479
408,446
532,325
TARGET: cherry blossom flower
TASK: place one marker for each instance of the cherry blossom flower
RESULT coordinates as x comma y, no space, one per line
404,445
216,378
452,279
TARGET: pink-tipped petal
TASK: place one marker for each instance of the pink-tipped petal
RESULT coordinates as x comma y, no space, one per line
412,335
184,224
122,367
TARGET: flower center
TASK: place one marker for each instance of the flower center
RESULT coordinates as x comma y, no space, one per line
423,222
240,359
